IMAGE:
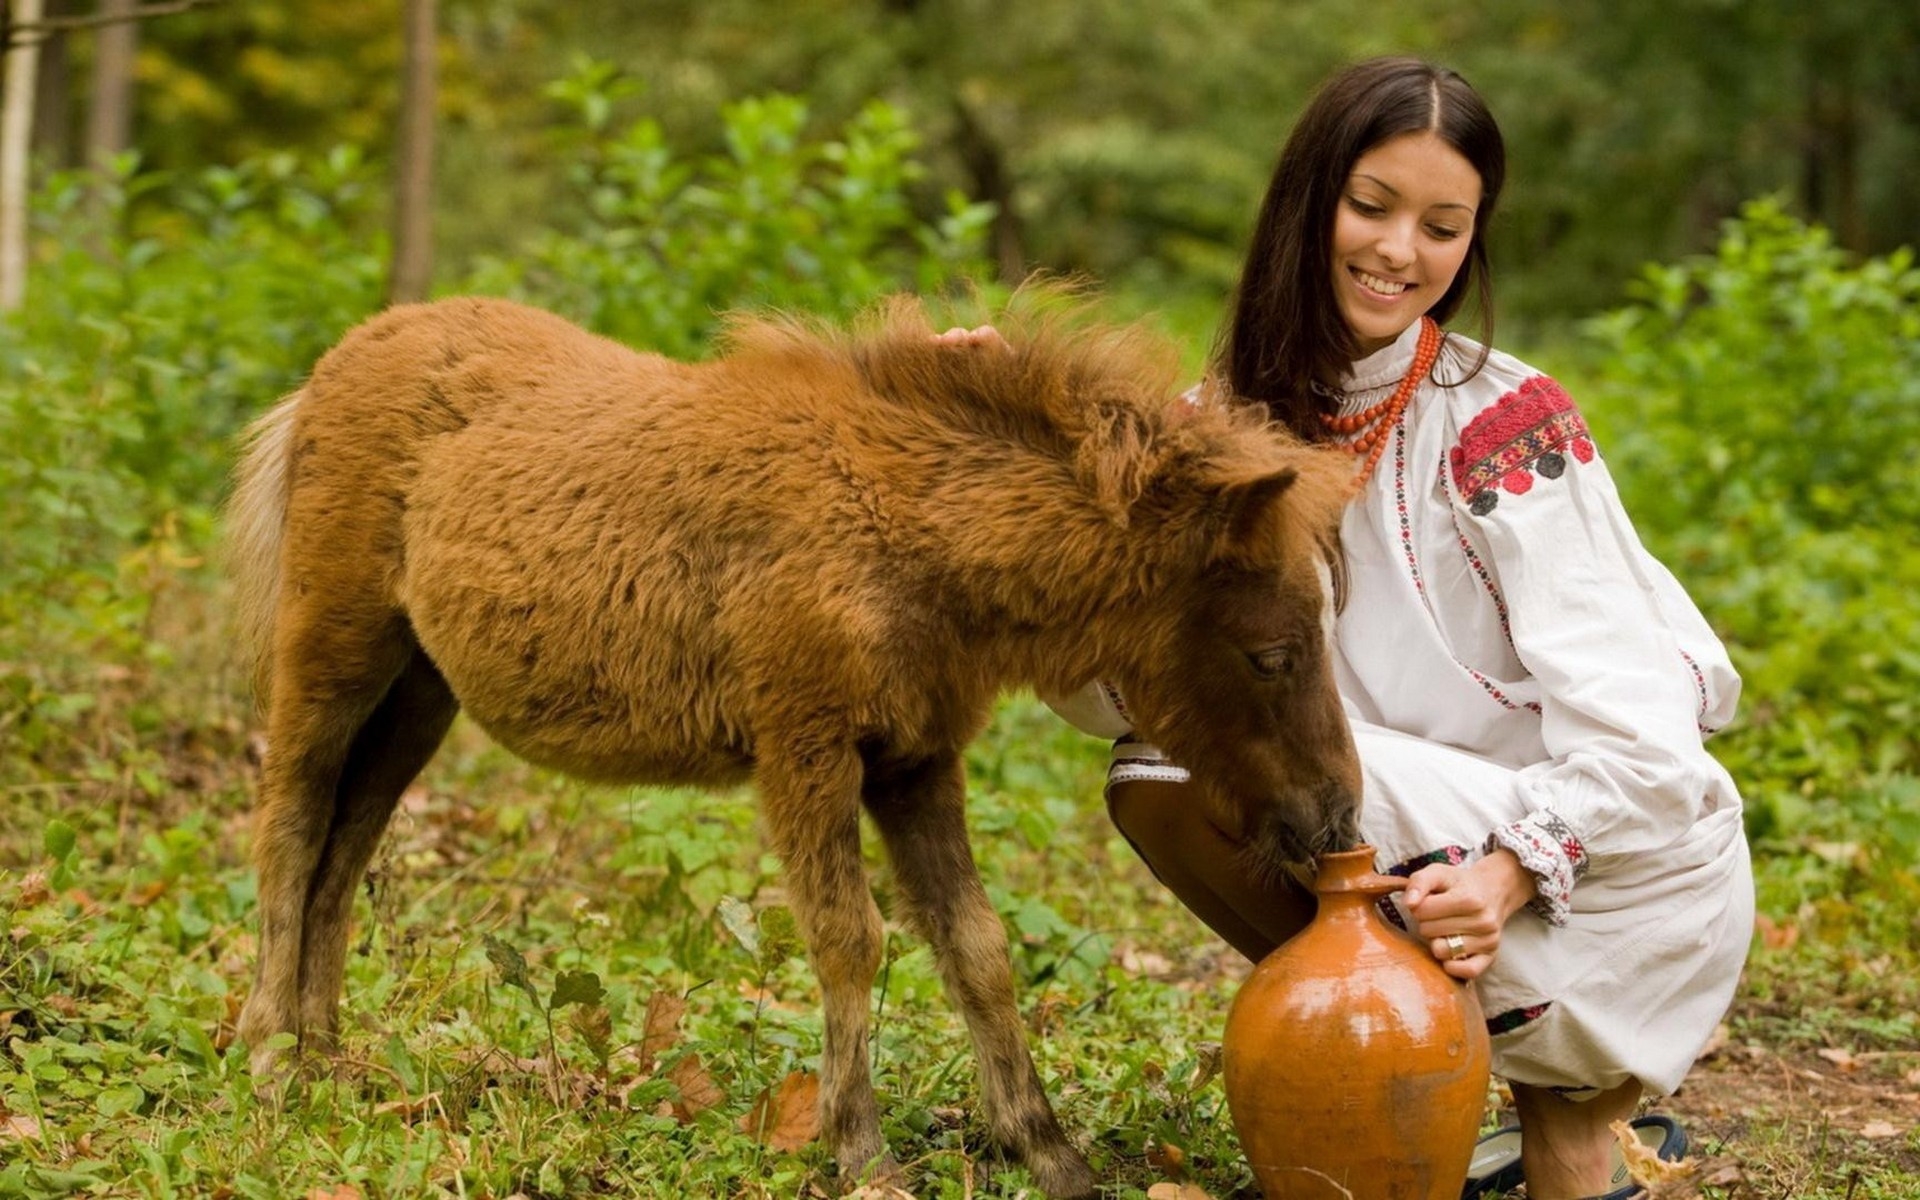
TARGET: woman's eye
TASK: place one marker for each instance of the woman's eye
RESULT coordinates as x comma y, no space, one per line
1444,233
1272,662
1365,208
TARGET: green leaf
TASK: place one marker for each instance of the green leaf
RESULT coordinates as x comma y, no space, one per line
576,987
779,937
512,966
119,1099
59,838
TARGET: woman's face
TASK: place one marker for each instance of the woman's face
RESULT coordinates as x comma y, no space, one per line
1401,233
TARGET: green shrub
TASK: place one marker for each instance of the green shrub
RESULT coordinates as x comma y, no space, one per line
162,311
666,243
1761,405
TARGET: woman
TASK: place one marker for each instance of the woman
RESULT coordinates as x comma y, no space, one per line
1529,689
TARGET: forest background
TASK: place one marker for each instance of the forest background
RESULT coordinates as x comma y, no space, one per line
1706,234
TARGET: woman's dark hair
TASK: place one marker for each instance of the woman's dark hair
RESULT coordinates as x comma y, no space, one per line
1286,334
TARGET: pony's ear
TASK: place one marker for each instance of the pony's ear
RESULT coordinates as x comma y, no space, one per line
1246,504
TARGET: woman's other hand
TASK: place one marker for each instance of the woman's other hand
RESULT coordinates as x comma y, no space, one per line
1461,910
979,335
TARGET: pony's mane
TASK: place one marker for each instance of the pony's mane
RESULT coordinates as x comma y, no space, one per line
1104,397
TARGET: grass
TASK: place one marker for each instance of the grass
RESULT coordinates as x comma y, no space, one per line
126,902
518,930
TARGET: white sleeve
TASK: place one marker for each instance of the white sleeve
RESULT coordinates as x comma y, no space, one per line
1600,626
1096,709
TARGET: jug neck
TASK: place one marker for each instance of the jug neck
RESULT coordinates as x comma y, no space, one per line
1349,875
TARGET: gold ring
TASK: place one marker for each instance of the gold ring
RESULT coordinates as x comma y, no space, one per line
1458,945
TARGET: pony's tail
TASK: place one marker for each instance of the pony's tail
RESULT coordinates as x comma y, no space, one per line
255,527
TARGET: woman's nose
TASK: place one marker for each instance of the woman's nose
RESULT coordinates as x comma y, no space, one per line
1396,247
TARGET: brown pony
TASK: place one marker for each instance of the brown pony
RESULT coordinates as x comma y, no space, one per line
813,563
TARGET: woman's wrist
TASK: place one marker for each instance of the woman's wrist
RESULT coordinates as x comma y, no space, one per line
1516,884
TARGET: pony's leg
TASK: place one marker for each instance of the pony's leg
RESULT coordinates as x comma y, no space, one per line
388,752
920,811
329,677
811,800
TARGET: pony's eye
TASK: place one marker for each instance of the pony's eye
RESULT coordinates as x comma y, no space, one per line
1272,662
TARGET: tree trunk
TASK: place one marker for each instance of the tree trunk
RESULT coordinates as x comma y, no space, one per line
53,91
16,129
992,182
110,115
411,272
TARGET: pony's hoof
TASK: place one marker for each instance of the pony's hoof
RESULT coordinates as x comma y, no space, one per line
879,1178
1063,1174
273,1074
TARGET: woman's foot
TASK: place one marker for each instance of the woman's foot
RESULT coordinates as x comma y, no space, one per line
1567,1146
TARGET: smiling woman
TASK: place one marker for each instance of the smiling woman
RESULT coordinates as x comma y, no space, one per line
1528,688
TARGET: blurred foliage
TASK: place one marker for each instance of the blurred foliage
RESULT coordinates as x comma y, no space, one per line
144,347
1763,403
665,243
1127,141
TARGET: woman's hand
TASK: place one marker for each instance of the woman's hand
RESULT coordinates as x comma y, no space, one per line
980,335
1461,910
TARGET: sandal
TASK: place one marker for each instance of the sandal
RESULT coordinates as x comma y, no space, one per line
1495,1166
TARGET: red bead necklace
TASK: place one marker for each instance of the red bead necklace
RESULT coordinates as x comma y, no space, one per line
1375,423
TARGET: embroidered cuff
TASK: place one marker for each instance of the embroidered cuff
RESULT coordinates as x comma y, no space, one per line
1137,760
1548,847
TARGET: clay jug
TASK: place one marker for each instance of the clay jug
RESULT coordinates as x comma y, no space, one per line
1356,1068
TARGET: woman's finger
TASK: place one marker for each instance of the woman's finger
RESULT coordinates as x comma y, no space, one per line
1471,967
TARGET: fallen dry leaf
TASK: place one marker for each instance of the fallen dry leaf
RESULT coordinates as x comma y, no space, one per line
664,1010
1880,1129
20,1126
698,1092
1207,1061
1722,1035
787,1115
1776,935
1045,1017
33,889
1647,1168
406,1110
1135,960
878,1191
1177,1191
1839,1057
339,1191
1728,1175
1166,1157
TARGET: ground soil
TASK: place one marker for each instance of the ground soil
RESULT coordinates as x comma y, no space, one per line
1768,1122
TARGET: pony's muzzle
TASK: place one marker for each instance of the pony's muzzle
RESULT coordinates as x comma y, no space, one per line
1300,827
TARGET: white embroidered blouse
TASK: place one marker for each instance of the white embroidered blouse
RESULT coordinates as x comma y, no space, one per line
1501,603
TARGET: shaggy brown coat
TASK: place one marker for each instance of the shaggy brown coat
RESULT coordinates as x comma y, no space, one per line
813,562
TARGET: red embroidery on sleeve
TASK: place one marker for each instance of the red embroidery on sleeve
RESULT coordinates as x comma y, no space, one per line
1526,432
